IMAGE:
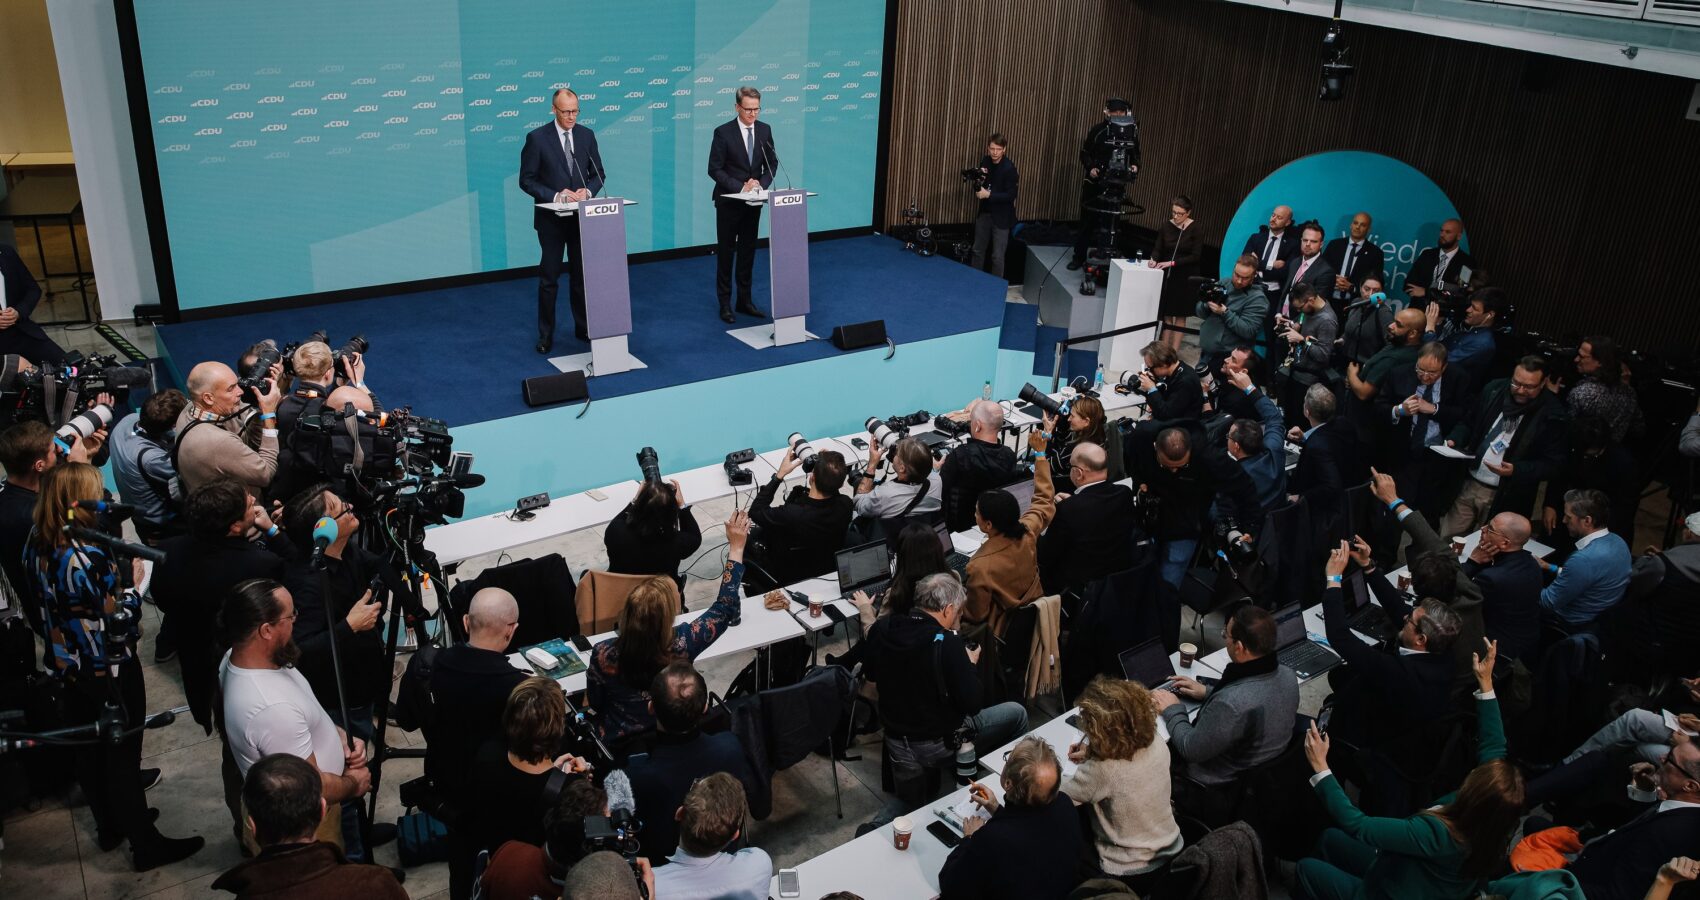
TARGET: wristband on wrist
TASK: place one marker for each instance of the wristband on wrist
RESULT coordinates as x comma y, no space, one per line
1395,503
1333,579
268,415
272,531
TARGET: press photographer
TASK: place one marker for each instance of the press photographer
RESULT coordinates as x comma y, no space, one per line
1469,340
213,439
656,532
1309,343
1230,312
799,538
1109,158
995,181
92,622
1172,390
142,466
1184,476
316,369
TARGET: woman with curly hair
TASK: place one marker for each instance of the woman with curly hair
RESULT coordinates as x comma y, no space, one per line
1123,775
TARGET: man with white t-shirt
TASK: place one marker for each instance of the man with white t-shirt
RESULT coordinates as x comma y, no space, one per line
268,706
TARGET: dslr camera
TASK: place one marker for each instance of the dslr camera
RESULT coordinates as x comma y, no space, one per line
975,178
1212,291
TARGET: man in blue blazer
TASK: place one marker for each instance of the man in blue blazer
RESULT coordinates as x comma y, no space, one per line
741,158
559,164
1594,576
18,334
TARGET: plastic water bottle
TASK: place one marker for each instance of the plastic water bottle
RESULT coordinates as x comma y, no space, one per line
986,392
1098,381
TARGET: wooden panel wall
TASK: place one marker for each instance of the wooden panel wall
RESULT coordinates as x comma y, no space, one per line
1579,184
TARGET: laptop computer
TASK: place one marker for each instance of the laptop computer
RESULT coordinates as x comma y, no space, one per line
1022,491
956,559
1295,649
865,568
1363,614
1147,663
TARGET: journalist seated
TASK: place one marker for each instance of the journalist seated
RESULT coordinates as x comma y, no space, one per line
1594,577
918,556
1085,423
284,806
653,534
912,489
681,755
981,462
1003,574
648,639
710,819
1027,846
930,693
506,782
215,439
521,871
1244,721
1122,779
800,538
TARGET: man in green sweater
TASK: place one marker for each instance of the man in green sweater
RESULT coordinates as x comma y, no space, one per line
1234,320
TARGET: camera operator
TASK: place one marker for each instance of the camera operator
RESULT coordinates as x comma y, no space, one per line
997,187
1471,347
1310,347
1095,153
191,585
982,462
210,431
141,464
1172,390
913,489
1185,476
27,453
311,391
1085,423
1437,267
801,537
18,333
653,534
1604,390
81,596
1233,318
348,574
1364,332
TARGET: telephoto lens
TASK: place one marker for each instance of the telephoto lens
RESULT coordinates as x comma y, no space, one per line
884,437
86,423
650,464
800,448
1039,398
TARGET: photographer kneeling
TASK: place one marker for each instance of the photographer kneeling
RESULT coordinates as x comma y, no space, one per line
930,692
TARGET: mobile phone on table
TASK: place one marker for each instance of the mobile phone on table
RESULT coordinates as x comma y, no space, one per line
1073,722
944,833
788,884
581,642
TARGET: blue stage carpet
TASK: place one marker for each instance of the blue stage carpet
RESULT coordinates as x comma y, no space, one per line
459,354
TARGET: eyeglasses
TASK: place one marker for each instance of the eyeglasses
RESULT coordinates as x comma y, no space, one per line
1670,760
282,619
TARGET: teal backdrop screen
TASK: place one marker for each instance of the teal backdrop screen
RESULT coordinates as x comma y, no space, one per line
326,145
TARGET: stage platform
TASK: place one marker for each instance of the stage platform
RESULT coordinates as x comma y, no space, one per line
460,355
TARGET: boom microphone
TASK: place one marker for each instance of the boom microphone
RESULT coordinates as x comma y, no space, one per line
619,790
118,377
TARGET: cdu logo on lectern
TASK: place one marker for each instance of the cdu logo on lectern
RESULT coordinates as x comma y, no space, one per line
600,209
788,200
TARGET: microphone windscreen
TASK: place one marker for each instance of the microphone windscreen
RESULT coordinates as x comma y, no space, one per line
9,372
619,791
325,529
127,377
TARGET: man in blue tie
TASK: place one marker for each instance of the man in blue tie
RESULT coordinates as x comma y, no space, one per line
741,159
559,164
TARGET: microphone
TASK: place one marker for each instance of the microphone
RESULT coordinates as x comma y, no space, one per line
600,173
619,790
126,377
324,535
772,160
101,506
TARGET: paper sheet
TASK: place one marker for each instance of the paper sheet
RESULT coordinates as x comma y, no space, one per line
1448,452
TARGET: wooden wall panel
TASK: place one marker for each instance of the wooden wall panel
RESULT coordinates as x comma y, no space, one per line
1579,184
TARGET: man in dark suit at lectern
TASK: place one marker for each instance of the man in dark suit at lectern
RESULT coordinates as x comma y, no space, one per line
559,164
741,159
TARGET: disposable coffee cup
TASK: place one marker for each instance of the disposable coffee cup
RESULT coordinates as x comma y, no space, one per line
1188,651
1457,547
1405,582
815,607
900,831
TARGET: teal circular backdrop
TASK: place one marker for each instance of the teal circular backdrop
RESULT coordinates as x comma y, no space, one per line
1406,207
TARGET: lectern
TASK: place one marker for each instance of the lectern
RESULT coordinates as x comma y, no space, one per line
787,266
607,286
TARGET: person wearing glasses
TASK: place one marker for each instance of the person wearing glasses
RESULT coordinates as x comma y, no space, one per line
269,707
560,163
1091,534
741,159
470,684
349,614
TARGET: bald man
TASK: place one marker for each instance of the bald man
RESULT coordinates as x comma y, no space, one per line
980,464
1353,258
212,438
348,393
1511,582
1437,267
1273,245
1092,533
470,684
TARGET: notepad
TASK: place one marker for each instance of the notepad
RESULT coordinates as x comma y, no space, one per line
1449,452
1671,723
